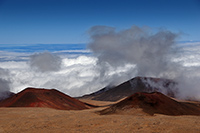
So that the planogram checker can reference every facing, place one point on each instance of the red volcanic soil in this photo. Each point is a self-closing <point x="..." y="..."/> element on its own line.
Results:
<point x="153" y="103"/>
<point x="52" y="98"/>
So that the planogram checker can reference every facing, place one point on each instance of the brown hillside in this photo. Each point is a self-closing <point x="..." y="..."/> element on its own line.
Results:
<point x="52" y="98"/>
<point x="153" y="103"/>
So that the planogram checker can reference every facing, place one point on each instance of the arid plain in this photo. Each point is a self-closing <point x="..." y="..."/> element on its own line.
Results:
<point x="35" y="120"/>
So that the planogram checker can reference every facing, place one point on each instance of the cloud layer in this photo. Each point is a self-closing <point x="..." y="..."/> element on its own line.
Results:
<point x="116" y="56"/>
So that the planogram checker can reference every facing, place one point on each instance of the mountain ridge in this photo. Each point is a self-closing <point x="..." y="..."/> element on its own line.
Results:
<point x="137" y="84"/>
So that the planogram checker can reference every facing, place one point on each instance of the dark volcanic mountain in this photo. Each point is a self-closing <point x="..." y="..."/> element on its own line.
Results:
<point x="32" y="97"/>
<point x="137" y="84"/>
<point x="152" y="103"/>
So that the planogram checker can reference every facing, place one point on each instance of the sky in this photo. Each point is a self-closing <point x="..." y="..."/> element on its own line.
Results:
<point x="81" y="46"/>
<point x="68" y="21"/>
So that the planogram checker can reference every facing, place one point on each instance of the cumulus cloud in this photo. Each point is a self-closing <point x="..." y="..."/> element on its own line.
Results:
<point x="149" y="52"/>
<point x="45" y="62"/>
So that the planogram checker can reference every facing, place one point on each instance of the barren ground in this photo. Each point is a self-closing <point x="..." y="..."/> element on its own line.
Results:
<point x="43" y="120"/>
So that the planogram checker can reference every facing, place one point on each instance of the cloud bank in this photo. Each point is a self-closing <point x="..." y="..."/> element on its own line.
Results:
<point x="117" y="56"/>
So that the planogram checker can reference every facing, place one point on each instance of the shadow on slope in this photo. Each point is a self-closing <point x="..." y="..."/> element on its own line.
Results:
<point x="150" y="104"/>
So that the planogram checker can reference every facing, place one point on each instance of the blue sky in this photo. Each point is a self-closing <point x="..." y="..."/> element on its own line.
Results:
<point x="67" y="21"/>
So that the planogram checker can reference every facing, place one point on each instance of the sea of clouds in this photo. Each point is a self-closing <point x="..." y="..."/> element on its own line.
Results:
<point x="110" y="58"/>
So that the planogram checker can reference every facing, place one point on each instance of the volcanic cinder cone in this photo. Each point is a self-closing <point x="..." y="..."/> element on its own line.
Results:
<point x="52" y="98"/>
<point x="137" y="84"/>
<point x="152" y="103"/>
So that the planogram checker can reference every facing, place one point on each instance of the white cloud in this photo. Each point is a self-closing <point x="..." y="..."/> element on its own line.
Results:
<point x="78" y="74"/>
<point x="81" y="75"/>
<point x="4" y="83"/>
<point x="45" y="62"/>
<point x="139" y="46"/>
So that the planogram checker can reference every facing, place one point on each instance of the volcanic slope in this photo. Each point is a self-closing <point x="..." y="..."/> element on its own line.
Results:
<point x="137" y="84"/>
<point x="50" y="98"/>
<point x="152" y="103"/>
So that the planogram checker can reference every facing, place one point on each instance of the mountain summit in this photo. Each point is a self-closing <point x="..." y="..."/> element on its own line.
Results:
<point x="137" y="84"/>
<point x="50" y="98"/>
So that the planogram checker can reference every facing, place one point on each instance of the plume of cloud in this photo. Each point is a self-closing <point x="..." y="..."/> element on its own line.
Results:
<point x="188" y="83"/>
<point x="45" y="62"/>
<point x="4" y="83"/>
<point x="150" y="52"/>
<point x="165" y="86"/>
